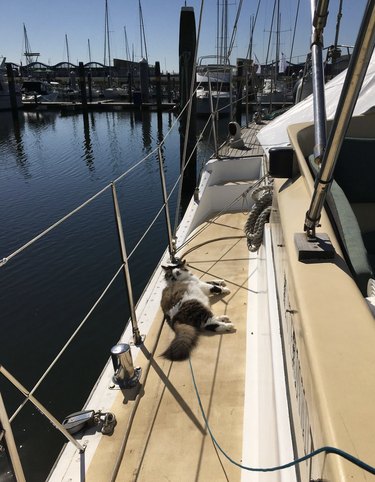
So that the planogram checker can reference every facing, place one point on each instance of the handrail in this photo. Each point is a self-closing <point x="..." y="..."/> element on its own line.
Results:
<point x="11" y="444"/>
<point x="66" y="345"/>
<point x="41" y="408"/>
<point x="352" y="85"/>
<point x="319" y="13"/>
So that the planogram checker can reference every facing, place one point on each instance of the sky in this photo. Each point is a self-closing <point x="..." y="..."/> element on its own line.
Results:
<point x="82" y="23"/>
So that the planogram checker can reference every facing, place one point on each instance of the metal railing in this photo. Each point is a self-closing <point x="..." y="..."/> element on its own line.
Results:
<point x="5" y="422"/>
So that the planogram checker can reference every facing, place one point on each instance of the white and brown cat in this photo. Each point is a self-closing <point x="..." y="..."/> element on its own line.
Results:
<point x="186" y="307"/>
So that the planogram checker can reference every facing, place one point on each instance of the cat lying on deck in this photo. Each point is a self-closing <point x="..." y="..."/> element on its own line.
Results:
<point x="186" y="307"/>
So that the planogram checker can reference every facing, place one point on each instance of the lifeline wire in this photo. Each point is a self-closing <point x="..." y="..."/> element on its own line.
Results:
<point x="327" y="449"/>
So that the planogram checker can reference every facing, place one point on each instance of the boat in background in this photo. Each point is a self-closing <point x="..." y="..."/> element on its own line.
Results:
<point x="275" y="92"/>
<point x="215" y="87"/>
<point x="39" y="91"/>
<point x="115" y="93"/>
<point x="289" y="395"/>
<point x="5" y="101"/>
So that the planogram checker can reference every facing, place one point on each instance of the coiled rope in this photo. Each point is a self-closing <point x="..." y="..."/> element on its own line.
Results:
<point x="328" y="450"/>
<point x="259" y="215"/>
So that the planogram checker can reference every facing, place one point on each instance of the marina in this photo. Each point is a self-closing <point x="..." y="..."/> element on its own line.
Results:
<point x="188" y="286"/>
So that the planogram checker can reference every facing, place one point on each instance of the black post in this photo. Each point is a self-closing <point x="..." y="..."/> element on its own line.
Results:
<point x="145" y="80"/>
<point x="169" y="93"/>
<point x="82" y="85"/>
<point x="158" y="85"/>
<point x="239" y="91"/>
<point x="89" y="83"/>
<point x="187" y="54"/>
<point x="130" y="87"/>
<point x="12" y="87"/>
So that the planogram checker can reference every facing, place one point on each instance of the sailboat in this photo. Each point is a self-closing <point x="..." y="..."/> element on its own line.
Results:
<point x="214" y="73"/>
<point x="276" y="89"/>
<point x="111" y="92"/>
<point x="285" y="223"/>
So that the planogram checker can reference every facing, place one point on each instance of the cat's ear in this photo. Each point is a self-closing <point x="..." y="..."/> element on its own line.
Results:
<point x="183" y="262"/>
<point x="165" y="268"/>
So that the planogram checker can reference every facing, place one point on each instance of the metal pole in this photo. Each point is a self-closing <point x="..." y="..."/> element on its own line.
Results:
<point x="247" y="96"/>
<point x="212" y="112"/>
<point x="136" y="335"/>
<point x="353" y="81"/>
<point x="41" y="408"/>
<point x="319" y="12"/>
<point x="171" y="242"/>
<point x="11" y="444"/>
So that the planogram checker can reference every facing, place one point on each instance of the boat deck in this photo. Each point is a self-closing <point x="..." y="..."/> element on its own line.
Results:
<point x="161" y="433"/>
<point x="252" y="146"/>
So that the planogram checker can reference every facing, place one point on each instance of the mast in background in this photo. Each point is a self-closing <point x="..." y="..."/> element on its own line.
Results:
<point x="28" y="53"/>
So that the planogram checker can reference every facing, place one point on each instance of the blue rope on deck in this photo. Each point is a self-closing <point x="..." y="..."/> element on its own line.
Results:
<point x="327" y="449"/>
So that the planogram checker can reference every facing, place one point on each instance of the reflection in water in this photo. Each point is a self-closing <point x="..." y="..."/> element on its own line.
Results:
<point x="114" y="141"/>
<point x="146" y="130"/>
<point x="89" y="152"/>
<point x="11" y="129"/>
<point x="40" y="120"/>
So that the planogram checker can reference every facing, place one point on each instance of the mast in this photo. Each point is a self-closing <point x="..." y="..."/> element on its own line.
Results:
<point x="271" y="31"/>
<point x="217" y="33"/>
<point x="294" y="32"/>
<point x="88" y="43"/>
<point x="277" y="54"/>
<point x="107" y="47"/>
<point x="127" y="51"/>
<point x="252" y="27"/>
<point x="28" y="53"/>
<point x="142" y="31"/>
<point x="67" y="48"/>
<point x="339" y="15"/>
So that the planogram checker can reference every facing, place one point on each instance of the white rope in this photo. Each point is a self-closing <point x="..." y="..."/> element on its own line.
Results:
<point x="258" y="217"/>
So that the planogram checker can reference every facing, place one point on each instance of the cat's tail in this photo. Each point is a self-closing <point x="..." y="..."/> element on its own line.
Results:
<point x="186" y="338"/>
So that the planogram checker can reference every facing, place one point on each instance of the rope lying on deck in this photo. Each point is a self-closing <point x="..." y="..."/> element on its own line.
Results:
<point x="259" y="215"/>
<point x="327" y="449"/>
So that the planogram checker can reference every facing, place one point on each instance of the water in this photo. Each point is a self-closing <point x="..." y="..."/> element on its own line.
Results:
<point x="50" y="164"/>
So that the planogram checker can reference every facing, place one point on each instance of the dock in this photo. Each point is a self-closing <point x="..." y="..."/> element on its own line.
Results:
<point x="97" y="106"/>
<point x="251" y="144"/>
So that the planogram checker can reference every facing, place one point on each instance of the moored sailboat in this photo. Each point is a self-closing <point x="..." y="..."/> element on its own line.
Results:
<point x="288" y="396"/>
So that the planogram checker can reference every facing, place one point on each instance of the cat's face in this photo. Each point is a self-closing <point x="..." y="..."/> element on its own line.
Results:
<point x="176" y="273"/>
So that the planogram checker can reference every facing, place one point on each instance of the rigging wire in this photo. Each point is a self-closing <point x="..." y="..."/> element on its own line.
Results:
<point x="294" y="33"/>
<point x="234" y="31"/>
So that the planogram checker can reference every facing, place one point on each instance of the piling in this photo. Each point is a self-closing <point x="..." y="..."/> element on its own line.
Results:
<point x="169" y="92"/>
<point x="187" y="45"/>
<point x="158" y="86"/>
<point x="89" y="84"/>
<point x="145" y="80"/>
<point x="12" y="87"/>
<point x="130" y="87"/>
<point x="82" y="85"/>
<point x="239" y="89"/>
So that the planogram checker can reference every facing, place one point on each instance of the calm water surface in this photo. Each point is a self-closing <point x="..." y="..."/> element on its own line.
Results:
<point x="50" y="164"/>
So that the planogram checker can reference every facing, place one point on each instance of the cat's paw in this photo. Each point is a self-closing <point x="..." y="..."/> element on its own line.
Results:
<point x="229" y="327"/>
<point x="224" y="318"/>
<point x="225" y="291"/>
<point x="217" y="282"/>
